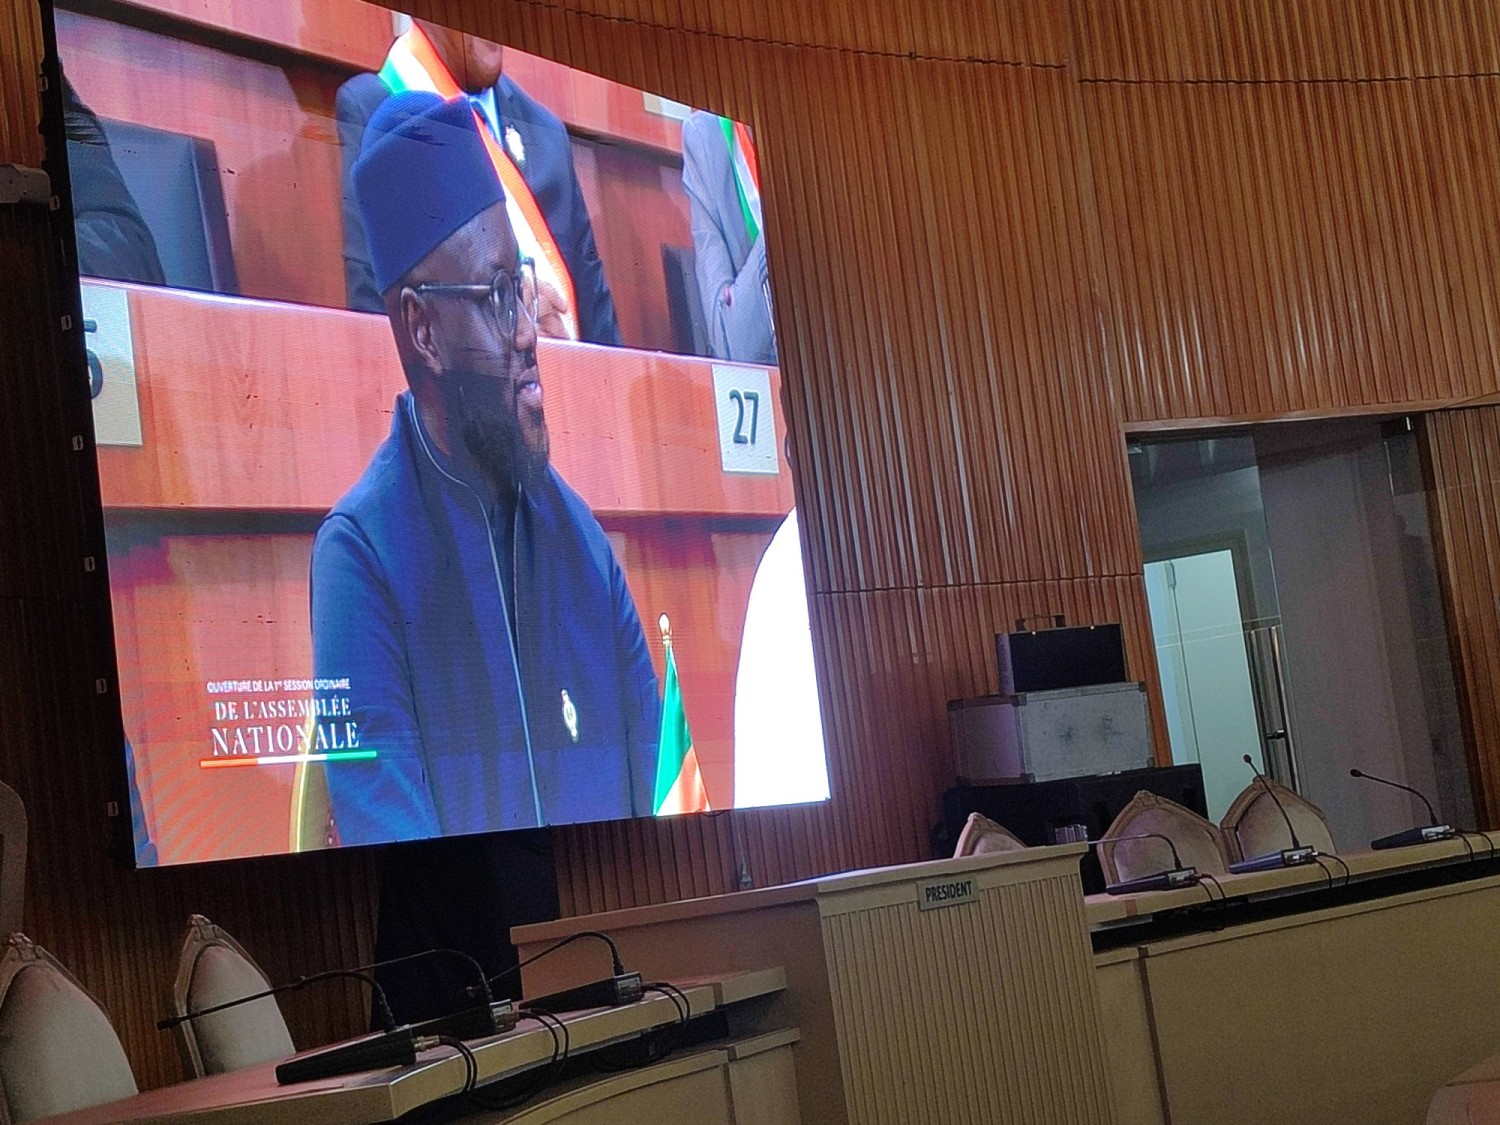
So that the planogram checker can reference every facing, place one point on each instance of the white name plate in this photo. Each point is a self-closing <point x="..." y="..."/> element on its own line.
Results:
<point x="111" y="355"/>
<point x="747" y="420"/>
<point x="945" y="892"/>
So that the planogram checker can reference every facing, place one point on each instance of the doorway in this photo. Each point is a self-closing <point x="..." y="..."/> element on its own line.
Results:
<point x="1205" y="673"/>
<point x="1297" y="617"/>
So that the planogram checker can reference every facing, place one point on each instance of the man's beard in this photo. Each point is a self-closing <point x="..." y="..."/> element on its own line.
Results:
<point x="489" y="424"/>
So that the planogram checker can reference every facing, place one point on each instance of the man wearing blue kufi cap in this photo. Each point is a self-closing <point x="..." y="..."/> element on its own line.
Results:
<point x="533" y="137"/>
<point x="494" y="657"/>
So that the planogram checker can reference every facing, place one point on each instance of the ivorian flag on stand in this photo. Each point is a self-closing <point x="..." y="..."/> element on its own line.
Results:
<point x="679" y="783"/>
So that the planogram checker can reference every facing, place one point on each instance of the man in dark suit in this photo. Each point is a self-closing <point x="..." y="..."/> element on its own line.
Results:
<point x="729" y="249"/>
<point x="113" y="239"/>
<point x="533" y="137"/>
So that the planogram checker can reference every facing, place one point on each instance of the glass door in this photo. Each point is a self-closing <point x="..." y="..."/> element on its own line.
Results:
<point x="1335" y="656"/>
<point x="1207" y="683"/>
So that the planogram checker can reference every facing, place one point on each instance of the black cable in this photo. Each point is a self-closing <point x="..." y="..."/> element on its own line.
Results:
<point x="1348" y="874"/>
<point x="1468" y="847"/>
<point x="686" y="1002"/>
<point x="297" y="985"/>
<point x="614" y="953"/>
<point x="1488" y="843"/>
<point x="672" y="992"/>
<point x="549" y="1073"/>
<point x="1204" y="878"/>
<point x="387" y="1017"/>
<point x="441" y="951"/>
<point x="562" y="1027"/>
<point x="471" y="1064"/>
<point x="1338" y="860"/>
<point x="1327" y="871"/>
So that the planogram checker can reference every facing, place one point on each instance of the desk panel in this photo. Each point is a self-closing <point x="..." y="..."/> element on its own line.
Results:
<point x="688" y="1088"/>
<point x="355" y="36"/>
<point x="979" y="1010"/>
<point x="1354" y="1014"/>
<point x="273" y="132"/>
<point x="268" y="406"/>
<point x="350" y="33"/>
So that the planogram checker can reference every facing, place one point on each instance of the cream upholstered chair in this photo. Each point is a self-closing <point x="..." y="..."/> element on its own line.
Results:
<point x="12" y="859"/>
<point x="982" y="836"/>
<point x="1197" y="841"/>
<point x="58" y="1051"/>
<point x="1254" y="825"/>
<point x="214" y="969"/>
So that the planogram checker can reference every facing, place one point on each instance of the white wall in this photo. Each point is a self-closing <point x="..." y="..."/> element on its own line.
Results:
<point x="1353" y="662"/>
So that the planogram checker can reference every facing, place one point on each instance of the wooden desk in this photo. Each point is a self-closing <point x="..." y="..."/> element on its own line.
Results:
<point x="915" y="1005"/>
<point x="1354" y="1012"/>
<point x="276" y="407"/>
<point x="260" y="81"/>
<point x="252" y="1096"/>
<point x="352" y="35"/>
<point x="1107" y="911"/>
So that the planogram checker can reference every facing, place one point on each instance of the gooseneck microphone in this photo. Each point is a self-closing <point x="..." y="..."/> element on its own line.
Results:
<point x="1433" y="830"/>
<point x="1179" y="876"/>
<point x="479" y="1021"/>
<point x="388" y="1021"/>
<point x="398" y="1047"/>
<point x="1295" y="856"/>
<point x="394" y="1046"/>
<point x="619" y="988"/>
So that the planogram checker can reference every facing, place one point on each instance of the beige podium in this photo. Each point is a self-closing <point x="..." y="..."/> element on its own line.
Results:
<point x="955" y="991"/>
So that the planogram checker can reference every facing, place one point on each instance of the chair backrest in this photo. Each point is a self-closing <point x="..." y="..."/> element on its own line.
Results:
<point x="58" y="1051"/>
<point x="1197" y="841"/>
<point x="684" y="306"/>
<point x="214" y="969"/>
<point x="1254" y="825"/>
<point x="983" y="836"/>
<point x="12" y="859"/>
<point x="174" y="180"/>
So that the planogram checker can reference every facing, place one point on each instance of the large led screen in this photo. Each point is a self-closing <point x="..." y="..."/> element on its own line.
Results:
<point x="440" y="435"/>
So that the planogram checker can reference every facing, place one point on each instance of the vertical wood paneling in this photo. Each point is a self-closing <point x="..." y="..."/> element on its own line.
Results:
<point x="1285" y="40"/>
<point x="1464" y="453"/>
<point x="986" y="257"/>
<point x="1014" y="31"/>
<point x="1272" y="248"/>
<point x="20" y="54"/>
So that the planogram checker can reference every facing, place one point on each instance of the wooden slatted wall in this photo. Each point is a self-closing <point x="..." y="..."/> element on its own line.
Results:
<point x="1001" y="231"/>
<point x="1300" y="200"/>
<point x="1464" y="452"/>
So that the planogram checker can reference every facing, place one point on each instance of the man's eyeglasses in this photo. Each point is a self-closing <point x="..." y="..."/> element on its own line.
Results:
<point x="508" y="293"/>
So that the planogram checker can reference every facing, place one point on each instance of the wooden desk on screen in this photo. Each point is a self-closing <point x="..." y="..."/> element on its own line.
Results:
<point x="748" y="1078"/>
<point x="259" y="81"/>
<point x="1352" y="1012"/>
<point x="955" y="991"/>
<point x="256" y="416"/>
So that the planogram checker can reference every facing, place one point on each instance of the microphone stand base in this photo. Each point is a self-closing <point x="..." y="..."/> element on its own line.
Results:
<point x="1274" y="861"/>
<point x="1414" y="836"/>
<point x="479" y="1022"/>
<point x="1161" y="881"/>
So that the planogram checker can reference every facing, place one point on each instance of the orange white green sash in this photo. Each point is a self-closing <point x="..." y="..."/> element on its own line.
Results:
<point x="746" y="175"/>
<point x="413" y="64"/>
